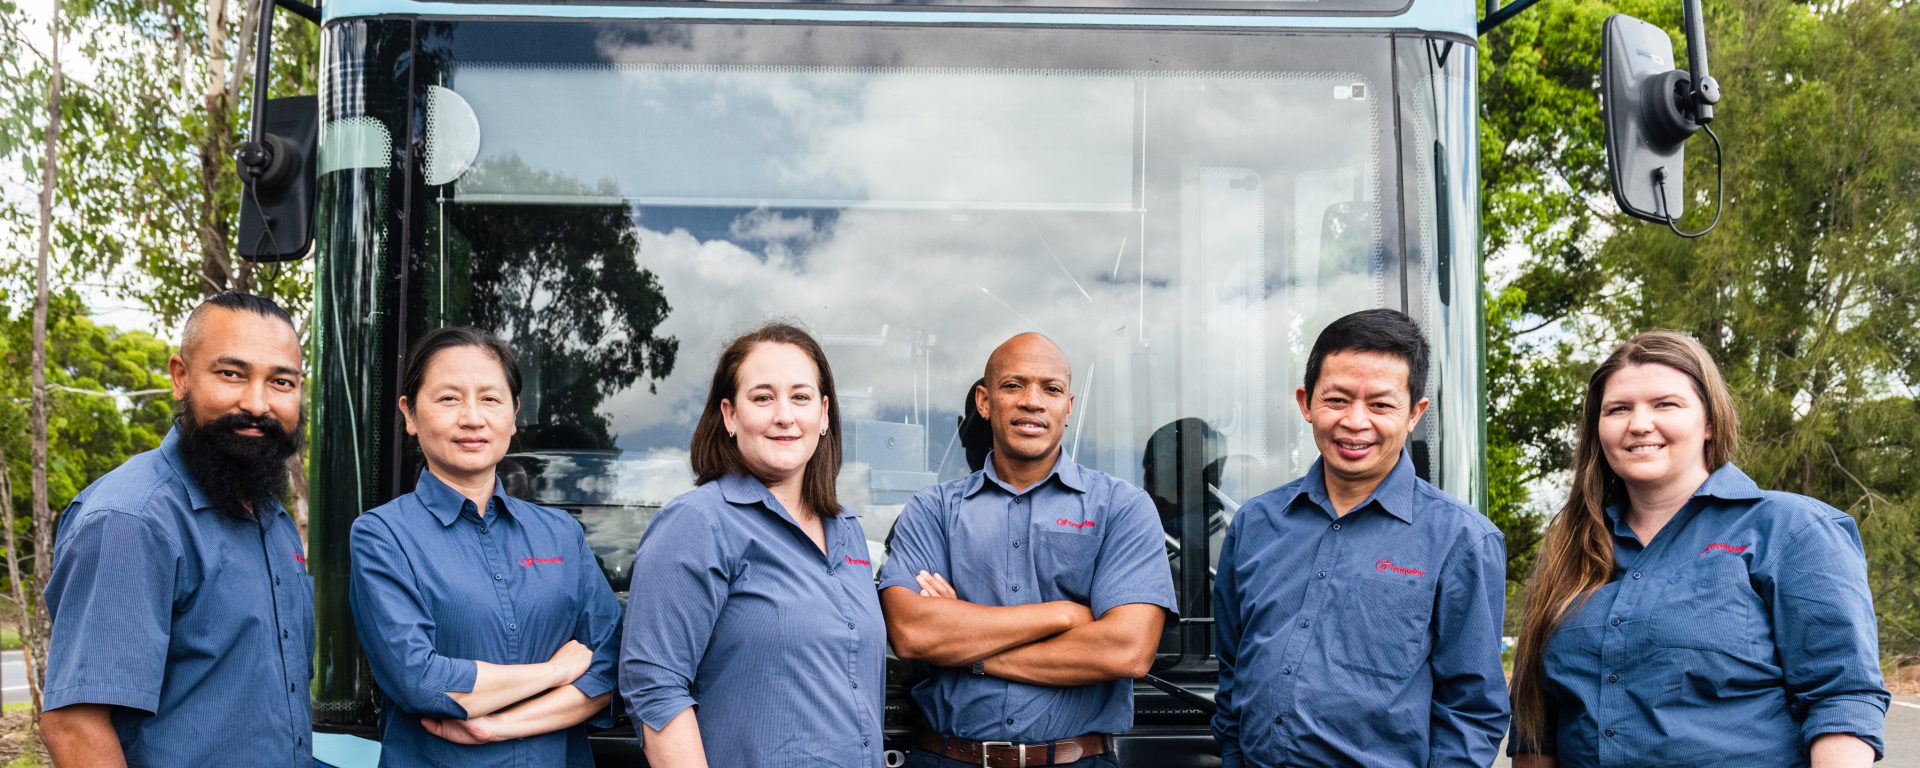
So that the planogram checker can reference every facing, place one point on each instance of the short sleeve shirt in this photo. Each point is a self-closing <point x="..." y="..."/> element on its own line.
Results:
<point x="437" y="586"/>
<point x="1078" y="535"/>
<point x="184" y="617"/>
<point x="780" y="645"/>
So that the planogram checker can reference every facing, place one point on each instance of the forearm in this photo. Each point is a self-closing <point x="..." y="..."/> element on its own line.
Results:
<point x="949" y="632"/>
<point x="498" y="686"/>
<point x="1119" y="646"/>
<point x="556" y="710"/>
<point x="676" y="746"/>
<point x="1840" y="750"/>
<point x="82" y="736"/>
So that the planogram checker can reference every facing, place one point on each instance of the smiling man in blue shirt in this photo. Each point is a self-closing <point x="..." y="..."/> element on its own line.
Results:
<point x="1035" y="586"/>
<point x="1358" y="609"/>
<point x="181" y="605"/>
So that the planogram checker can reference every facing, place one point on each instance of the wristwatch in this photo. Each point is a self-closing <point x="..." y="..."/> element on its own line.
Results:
<point x="980" y="667"/>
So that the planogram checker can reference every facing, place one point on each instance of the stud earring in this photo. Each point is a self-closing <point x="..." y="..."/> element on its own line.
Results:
<point x="731" y="435"/>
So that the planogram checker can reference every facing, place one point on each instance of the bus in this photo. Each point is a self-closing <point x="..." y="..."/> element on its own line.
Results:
<point x="1181" y="193"/>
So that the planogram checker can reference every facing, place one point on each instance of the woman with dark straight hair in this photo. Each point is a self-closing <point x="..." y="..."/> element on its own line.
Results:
<point x="753" y="634"/>
<point x="1680" y="615"/>
<point x="488" y="625"/>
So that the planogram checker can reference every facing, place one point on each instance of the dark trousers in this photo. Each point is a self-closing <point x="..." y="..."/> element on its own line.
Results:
<point x="919" y="759"/>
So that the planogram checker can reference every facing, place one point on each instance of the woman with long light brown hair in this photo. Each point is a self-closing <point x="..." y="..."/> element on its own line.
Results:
<point x="1680" y="615"/>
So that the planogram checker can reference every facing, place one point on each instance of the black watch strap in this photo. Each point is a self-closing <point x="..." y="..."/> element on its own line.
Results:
<point x="980" y="667"/>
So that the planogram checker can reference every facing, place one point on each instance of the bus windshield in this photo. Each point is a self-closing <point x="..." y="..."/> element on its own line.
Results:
<point x="1181" y="212"/>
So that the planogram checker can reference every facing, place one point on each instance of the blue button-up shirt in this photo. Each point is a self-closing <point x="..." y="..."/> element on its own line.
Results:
<point x="186" y="618"/>
<point x="1077" y="535"/>
<point x="1370" y="639"/>
<point x="437" y="587"/>
<point x="1736" y="637"/>
<point x="781" y="646"/>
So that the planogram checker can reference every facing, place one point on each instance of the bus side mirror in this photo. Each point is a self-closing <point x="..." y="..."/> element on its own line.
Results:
<point x="277" y="183"/>
<point x="1650" y="108"/>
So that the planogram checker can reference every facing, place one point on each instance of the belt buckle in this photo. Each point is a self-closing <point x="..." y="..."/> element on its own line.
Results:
<point x="986" y="760"/>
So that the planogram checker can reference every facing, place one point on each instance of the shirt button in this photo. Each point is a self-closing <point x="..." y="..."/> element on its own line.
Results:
<point x="276" y="581"/>
<point x="866" y="742"/>
<point x="1279" y="719"/>
<point x="1609" y="733"/>
<point x="1320" y="575"/>
<point x="485" y="529"/>
<point x="283" y="633"/>
<point x="1009" y="721"/>
<point x="1286" y="671"/>
<point x="1303" y="624"/>
<point x="1616" y="621"/>
<point x="1016" y="587"/>
<point x="290" y="687"/>
<point x="856" y="683"/>
<point x="1016" y="545"/>
<point x="1613" y="678"/>
<point x="1636" y="574"/>
<point x="513" y="627"/>
<point x="497" y="577"/>
<point x="1336" y="526"/>
<point x="849" y="625"/>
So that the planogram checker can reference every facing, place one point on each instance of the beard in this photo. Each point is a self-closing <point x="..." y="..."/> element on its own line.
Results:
<point x="238" y="473"/>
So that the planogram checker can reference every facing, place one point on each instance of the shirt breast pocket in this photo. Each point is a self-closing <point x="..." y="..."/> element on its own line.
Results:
<point x="1710" y="609"/>
<point x="1384" y="627"/>
<point x="1064" y="564"/>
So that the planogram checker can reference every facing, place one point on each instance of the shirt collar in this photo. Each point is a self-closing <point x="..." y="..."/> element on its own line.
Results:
<point x="743" y="488"/>
<point x="170" y="450"/>
<point x="1727" y="483"/>
<point x="1066" y="470"/>
<point x="446" y="504"/>
<point x="1394" y="494"/>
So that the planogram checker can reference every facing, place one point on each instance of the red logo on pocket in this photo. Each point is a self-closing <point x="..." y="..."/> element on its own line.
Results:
<point x="299" y="558"/>
<point x="1387" y="565"/>
<point x="529" y="562"/>
<point x="852" y="561"/>
<point x="1723" y="548"/>
<point x="1071" y="524"/>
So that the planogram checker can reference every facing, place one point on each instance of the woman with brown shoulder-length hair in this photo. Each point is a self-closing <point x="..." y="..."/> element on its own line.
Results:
<point x="753" y="634"/>
<point x="1680" y="615"/>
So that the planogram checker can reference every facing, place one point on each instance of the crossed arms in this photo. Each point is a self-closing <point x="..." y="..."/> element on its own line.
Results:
<point x="1059" y="643"/>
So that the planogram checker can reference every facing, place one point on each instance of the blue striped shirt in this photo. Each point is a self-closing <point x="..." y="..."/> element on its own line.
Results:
<point x="1736" y="637"/>
<point x="780" y="645"/>
<point x="1370" y="639"/>
<point x="437" y="587"/>
<point x="187" y="619"/>
<point x="1077" y="535"/>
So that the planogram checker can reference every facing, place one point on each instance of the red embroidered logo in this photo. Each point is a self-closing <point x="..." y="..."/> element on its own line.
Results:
<point x="1071" y="524"/>
<point x="529" y="562"/>
<point x="852" y="561"/>
<point x="1723" y="548"/>
<point x="299" y="558"/>
<point x="1387" y="565"/>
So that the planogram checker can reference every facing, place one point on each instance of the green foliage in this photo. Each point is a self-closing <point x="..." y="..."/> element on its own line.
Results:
<point x="1808" y="293"/>
<point x="87" y="434"/>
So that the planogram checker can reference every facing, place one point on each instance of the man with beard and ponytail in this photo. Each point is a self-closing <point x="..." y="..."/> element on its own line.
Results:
<point x="182" y="610"/>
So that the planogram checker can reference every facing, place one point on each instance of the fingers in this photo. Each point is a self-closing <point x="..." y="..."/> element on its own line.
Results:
<point x="934" y="585"/>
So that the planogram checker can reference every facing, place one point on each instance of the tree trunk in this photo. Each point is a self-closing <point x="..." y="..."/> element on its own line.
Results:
<point x="218" y="271"/>
<point x="29" y="642"/>
<point x="42" y="512"/>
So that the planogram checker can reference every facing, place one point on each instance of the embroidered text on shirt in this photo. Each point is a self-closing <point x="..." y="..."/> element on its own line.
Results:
<point x="1387" y="565"/>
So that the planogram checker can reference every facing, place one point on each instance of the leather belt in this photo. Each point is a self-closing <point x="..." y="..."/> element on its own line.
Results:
<point x="1006" y="754"/>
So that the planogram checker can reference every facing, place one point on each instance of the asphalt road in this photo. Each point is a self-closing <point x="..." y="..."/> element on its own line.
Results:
<point x="1902" y="733"/>
<point x="13" y="677"/>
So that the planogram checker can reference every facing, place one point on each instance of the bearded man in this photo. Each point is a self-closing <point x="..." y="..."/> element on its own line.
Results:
<point x="181" y="605"/>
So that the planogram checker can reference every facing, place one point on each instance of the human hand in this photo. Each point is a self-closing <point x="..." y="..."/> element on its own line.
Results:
<point x="476" y="731"/>
<point x="571" y="661"/>
<point x="934" y="585"/>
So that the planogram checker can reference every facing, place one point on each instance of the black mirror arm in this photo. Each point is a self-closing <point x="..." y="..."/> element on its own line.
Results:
<point x="1704" y="90"/>
<point x="1199" y="701"/>
<point x="256" y="155"/>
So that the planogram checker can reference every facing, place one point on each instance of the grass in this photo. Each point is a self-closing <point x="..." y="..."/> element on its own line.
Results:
<point x="9" y="639"/>
<point x="28" y="760"/>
